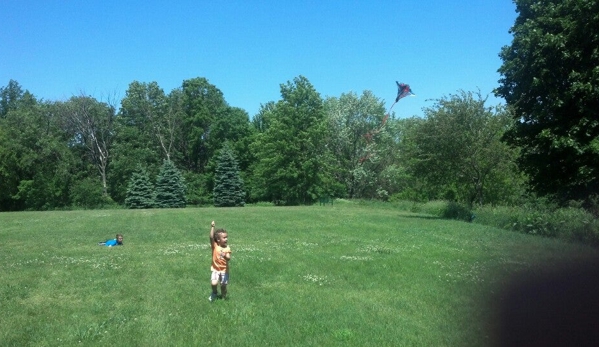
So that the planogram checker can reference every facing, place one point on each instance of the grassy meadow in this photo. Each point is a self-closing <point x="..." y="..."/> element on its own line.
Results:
<point x="341" y="275"/>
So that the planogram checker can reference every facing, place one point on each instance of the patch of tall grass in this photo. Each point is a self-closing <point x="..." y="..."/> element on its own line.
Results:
<point x="572" y="224"/>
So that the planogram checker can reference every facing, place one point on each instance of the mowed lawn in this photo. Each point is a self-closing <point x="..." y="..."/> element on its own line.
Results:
<point x="341" y="275"/>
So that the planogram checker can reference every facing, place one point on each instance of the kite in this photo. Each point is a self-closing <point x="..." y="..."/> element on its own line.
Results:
<point x="403" y="90"/>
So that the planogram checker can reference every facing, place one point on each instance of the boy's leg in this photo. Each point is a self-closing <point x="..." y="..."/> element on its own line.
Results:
<point x="223" y="290"/>
<point x="223" y="285"/>
<point x="214" y="284"/>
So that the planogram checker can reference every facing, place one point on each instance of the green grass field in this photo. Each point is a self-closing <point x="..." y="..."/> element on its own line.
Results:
<point x="342" y="275"/>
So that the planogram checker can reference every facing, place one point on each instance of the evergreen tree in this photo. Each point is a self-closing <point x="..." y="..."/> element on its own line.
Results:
<point x="140" y="192"/>
<point x="170" y="186"/>
<point x="228" y="185"/>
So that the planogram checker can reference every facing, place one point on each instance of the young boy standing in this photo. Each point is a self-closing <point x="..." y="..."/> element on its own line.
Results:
<point x="221" y="254"/>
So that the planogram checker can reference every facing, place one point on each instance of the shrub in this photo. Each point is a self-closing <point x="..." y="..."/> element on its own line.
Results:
<point x="454" y="210"/>
<point x="444" y="209"/>
<point x="573" y="224"/>
<point x="87" y="193"/>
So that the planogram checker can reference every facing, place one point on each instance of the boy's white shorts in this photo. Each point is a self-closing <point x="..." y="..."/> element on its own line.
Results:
<point x="223" y="278"/>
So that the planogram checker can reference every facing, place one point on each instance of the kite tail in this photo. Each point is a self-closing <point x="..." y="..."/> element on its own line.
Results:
<point x="390" y="108"/>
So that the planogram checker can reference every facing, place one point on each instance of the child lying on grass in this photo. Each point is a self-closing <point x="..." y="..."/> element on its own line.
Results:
<point x="114" y="242"/>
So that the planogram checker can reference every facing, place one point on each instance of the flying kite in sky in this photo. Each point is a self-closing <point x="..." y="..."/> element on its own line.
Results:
<point x="403" y="90"/>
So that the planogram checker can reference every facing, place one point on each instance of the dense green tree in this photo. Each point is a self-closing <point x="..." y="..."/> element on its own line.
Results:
<point x="10" y="97"/>
<point x="357" y="125"/>
<point x="36" y="164"/>
<point x="261" y="120"/>
<point x="549" y="77"/>
<point x="228" y="185"/>
<point x="146" y="108"/>
<point x="235" y="128"/>
<point x="458" y="150"/>
<point x="201" y="104"/>
<point x="289" y="167"/>
<point x="142" y="135"/>
<point x="87" y="193"/>
<point x="170" y="187"/>
<point x="140" y="190"/>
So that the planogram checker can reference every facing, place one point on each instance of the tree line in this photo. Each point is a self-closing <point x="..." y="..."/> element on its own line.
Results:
<point x="85" y="152"/>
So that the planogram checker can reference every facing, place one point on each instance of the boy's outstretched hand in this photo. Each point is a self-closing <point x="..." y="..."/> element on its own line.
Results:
<point x="212" y="225"/>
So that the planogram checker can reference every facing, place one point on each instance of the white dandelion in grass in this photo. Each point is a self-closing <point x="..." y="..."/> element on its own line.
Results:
<point x="320" y="280"/>
<point x="355" y="258"/>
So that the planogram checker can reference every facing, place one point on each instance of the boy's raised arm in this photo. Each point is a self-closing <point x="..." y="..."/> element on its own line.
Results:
<point x="211" y="232"/>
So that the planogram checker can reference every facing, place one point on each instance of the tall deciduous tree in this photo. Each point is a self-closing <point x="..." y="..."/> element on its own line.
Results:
<point x="201" y="104"/>
<point x="90" y="122"/>
<point x="458" y="147"/>
<point x="290" y="151"/>
<point x="36" y="166"/>
<point x="147" y="108"/>
<point x="356" y="124"/>
<point x="10" y="97"/>
<point x="549" y="77"/>
<point x="228" y="185"/>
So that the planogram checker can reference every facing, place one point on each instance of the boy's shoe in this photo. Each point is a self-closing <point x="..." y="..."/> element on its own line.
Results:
<point x="212" y="297"/>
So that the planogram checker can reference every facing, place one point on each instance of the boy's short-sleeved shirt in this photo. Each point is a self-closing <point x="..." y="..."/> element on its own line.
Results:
<point x="219" y="263"/>
<point x="111" y="243"/>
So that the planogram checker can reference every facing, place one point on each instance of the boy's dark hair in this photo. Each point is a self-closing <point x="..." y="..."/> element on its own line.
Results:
<point x="217" y="234"/>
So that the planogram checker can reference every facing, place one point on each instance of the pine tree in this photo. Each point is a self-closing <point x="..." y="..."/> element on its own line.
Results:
<point x="170" y="187"/>
<point x="140" y="191"/>
<point x="228" y="185"/>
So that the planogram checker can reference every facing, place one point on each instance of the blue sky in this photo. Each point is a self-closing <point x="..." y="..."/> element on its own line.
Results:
<point x="56" y="49"/>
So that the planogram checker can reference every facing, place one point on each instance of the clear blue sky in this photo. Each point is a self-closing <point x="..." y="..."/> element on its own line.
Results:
<point x="56" y="49"/>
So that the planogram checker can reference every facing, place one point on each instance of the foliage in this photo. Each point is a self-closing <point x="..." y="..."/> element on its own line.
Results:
<point x="197" y="192"/>
<point x="549" y="78"/>
<point x="201" y="104"/>
<point x="228" y="185"/>
<point x="353" y="122"/>
<point x="290" y="153"/>
<point x="36" y="164"/>
<point x="10" y="97"/>
<point x="233" y="127"/>
<point x="170" y="187"/>
<point x="572" y="224"/>
<point x="457" y="149"/>
<point x="87" y="194"/>
<point x="140" y="191"/>
<point x="89" y="123"/>
<point x="145" y="108"/>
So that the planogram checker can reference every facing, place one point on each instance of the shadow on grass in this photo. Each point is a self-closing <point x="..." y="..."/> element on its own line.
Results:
<point x="420" y="217"/>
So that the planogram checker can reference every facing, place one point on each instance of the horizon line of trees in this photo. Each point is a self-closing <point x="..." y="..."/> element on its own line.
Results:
<point x="84" y="152"/>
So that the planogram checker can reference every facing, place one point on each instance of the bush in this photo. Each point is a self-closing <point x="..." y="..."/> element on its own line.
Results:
<point x="573" y="224"/>
<point x="444" y="209"/>
<point x="454" y="210"/>
<point x="87" y="194"/>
